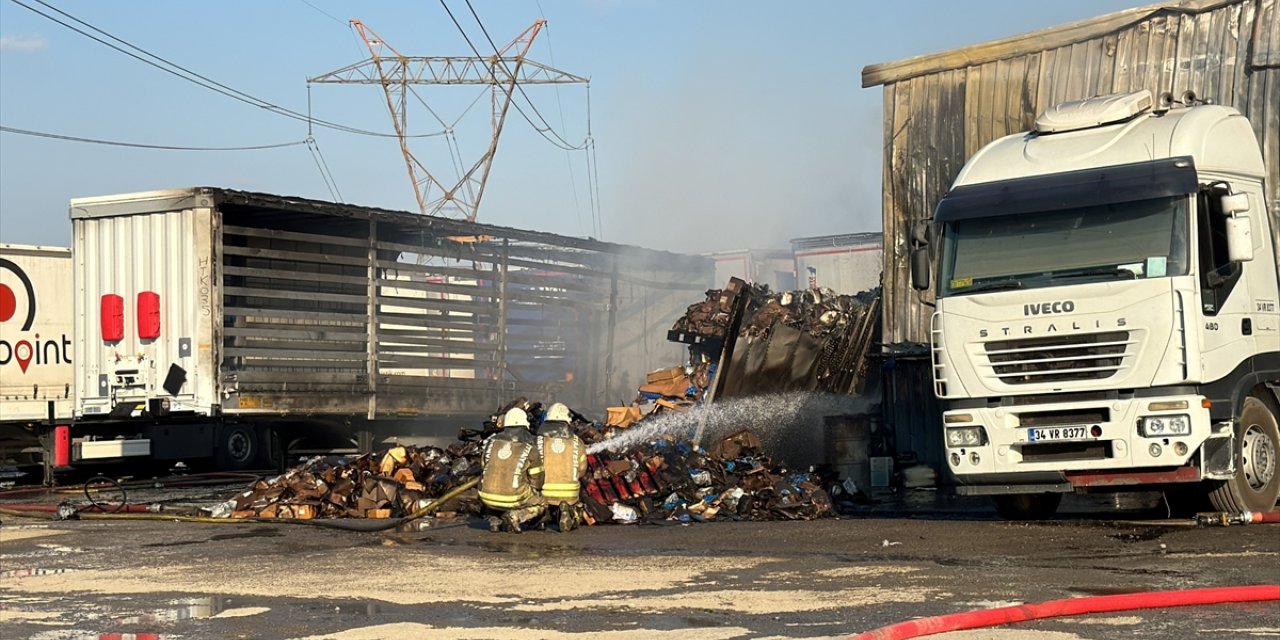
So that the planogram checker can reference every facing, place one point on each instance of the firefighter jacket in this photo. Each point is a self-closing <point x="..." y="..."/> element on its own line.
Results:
<point x="511" y="469"/>
<point x="564" y="459"/>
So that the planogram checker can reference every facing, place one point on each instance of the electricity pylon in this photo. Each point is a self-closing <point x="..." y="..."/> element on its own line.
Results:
<point x="396" y="73"/>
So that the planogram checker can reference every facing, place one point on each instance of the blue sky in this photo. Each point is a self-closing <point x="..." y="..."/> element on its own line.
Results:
<point x="718" y="125"/>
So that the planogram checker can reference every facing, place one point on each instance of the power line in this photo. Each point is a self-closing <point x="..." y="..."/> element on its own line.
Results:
<point x="203" y="81"/>
<point x="588" y="144"/>
<point x="139" y="145"/>
<point x="325" y="174"/>
<point x="593" y="177"/>
<point x="595" y="183"/>
<point x="543" y="132"/>
<point x="326" y="13"/>
<point x="532" y="106"/>
<point x="568" y="155"/>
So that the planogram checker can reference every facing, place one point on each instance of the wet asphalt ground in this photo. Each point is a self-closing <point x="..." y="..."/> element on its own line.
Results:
<point x="920" y="555"/>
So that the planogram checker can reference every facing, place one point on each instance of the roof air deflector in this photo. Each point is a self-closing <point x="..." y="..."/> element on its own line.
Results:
<point x="1094" y="112"/>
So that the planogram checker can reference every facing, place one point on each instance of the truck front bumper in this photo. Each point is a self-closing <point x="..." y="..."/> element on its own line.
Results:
<point x="1058" y="446"/>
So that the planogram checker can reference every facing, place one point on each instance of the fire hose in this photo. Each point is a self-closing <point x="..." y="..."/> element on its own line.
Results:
<point x="346" y="525"/>
<point x="982" y="618"/>
<point x="1245" y="517"/>
<point x="192" y="480"/>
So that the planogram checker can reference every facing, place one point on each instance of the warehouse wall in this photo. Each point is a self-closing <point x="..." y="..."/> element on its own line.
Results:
<point x="940" y="109"/>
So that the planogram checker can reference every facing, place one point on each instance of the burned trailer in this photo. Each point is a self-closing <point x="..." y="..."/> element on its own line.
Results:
<point x="210" y="319"/>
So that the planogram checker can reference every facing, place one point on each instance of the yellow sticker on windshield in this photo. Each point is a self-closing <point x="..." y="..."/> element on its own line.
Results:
<point x="960" y="283"/>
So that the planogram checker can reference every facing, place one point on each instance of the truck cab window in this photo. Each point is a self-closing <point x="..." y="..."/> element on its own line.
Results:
<point x="1218" y="276"/>
<point x="1095" y="242"/>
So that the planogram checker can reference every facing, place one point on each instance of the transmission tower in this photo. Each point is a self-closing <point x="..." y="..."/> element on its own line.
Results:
<point x="396" y="73"/>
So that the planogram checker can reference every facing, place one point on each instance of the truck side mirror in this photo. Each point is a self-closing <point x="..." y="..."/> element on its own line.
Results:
<point x="920" y="268"/>
<point x="1239" y="237"/>
<point x="921" y="233"/>
<point x="1233" y="203"/>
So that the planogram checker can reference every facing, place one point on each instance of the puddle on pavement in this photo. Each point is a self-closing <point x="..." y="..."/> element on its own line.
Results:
<point x="177" y="611"/>
<point x="109" y="616"/>
<point x="1140" y="535"/>
<point x="257" y="532"/>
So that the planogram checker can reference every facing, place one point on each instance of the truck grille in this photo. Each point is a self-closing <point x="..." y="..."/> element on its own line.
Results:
<point x="1088" y="356"/>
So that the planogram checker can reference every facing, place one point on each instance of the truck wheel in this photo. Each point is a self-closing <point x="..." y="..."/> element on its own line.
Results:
<point x="1028" y="506"/>
<point x="237" y="447"/>
<point x="1256" y="484"/>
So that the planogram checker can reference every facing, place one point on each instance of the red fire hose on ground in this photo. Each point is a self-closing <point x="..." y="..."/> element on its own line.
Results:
<point x="1228" y="519"/>
<point x="1070" y="607"/>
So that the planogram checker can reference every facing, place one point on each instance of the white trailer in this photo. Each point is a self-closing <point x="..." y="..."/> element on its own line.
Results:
<point x="208" y="321"/>
<point x="35" y="346"/>
<point x="848" y="263"/>
<point x="1107" y="309"/>
<point x="773" y="267"/>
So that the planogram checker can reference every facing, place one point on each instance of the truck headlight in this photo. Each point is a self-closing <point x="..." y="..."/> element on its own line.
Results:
<point x="1162" y="426"/>
<point x="966" y="437"/>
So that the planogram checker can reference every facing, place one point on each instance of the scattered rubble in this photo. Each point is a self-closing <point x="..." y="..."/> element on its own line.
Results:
<point x="672" y="479"/>
<point x="811" y="340"/>
<point x="666" y="479"/>
<point x="389" y="484"/>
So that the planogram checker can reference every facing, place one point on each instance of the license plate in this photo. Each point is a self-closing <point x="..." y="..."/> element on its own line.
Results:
<point x="1057" y="434"/>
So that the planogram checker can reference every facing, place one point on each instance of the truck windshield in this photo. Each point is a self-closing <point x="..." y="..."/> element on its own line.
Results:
<point x="1124" y="240"/>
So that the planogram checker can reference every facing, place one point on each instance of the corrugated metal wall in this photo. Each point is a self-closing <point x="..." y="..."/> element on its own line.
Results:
<point x="935" y="118"/>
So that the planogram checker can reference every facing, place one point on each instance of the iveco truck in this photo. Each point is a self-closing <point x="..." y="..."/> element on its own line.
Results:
<point x="1106" y="313"/>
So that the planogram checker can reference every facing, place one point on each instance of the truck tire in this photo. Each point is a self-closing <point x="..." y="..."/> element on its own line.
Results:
<point x="1256" y="484"/>
<point x="237" y="447"/>
<point x="1028" y="506"/>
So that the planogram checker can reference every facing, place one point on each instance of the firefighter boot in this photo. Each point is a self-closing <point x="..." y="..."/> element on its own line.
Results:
<point x="513" y="523"/>
<point x="568" y="518"/>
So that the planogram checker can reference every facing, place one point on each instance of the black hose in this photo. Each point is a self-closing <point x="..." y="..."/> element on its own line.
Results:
<point x="102" y="506"/>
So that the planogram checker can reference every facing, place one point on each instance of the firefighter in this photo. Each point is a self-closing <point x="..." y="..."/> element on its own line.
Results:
<point x="512" y="474"/>
<point x="564" y="460"/>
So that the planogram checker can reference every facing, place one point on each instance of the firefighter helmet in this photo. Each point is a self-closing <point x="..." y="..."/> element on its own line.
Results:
<point x="558" y="413"/>
<point x="515" y="418"/>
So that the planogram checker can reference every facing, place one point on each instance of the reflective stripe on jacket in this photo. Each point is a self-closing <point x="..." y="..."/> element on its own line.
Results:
<point x="564" y="460"/>
<point x="509" y="461"/>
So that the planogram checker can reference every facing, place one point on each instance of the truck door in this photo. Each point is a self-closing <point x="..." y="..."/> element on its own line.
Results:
<point x="1226" y="321"/>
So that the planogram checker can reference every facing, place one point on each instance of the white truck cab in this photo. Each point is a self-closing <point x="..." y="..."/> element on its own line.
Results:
<point x="1107" y="309"/>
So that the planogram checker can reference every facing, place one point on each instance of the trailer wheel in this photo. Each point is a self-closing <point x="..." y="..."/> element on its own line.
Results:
<point x="237" y="447"/>
<point x="1256" y="484"/>
<point x="1028" y="506"/>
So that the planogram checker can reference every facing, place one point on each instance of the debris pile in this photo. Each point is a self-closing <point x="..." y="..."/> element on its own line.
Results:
<point x="666" y="478"/>
<point x="807" y="340"/>
<point x="669" y="478"/>
<point x="390" y="484"/>
<point x="771" y="343"/>
<point x="819" y="312"/>
<point x="712" y="316"/>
